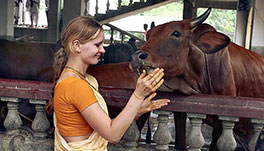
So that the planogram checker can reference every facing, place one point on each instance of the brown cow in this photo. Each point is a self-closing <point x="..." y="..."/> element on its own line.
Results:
<point x="26" y="61"/>
<point x="198" y="59"/>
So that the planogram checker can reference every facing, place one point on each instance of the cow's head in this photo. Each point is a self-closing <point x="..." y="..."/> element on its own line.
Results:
<point x="168" y="45"/>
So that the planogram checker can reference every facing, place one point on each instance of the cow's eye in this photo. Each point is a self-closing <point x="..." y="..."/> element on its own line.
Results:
<point x="176" y="34"/>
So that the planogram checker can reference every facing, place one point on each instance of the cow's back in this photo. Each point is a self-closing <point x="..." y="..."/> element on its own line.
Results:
<point x="26" y="61"/>
<point x="248" y="70"/>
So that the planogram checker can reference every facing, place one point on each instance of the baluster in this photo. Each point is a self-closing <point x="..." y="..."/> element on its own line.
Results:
<point x="195" y="139"/>
<point x="119" y="4"/>
<point x="12" y="121"/>
<point x="226" y="141"/>
<point x="112" y="36"/>
<point x="162" y="135"/>
<point x="96" y="7"/>
<point x="131" y="2"/>
<point x="107" y="6"/>
<point x="131" y="136"/>
<point x="258" y="125"/>
<point x="40" y="123"/>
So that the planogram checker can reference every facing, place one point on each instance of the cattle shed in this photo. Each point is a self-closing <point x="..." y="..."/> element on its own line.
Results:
<point x="249" y="30"/>
<point x="36" y="135"/>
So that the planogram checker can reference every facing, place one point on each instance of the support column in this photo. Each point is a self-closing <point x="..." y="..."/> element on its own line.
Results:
<point x="241" y="22"/>
<point x="71" y="10"/>
<point x="189" y="9"/>
<point x="257" y="38"/>
<point x="7" y="18"/>
<point x="53" y="21"/>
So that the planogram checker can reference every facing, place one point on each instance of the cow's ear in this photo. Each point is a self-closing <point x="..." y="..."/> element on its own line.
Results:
<point x="212" y="42"/>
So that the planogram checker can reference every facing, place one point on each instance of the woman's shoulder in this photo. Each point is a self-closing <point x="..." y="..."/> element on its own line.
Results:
<point x="71" y="82"/>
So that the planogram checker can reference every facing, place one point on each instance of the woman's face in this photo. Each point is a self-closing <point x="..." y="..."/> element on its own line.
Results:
<point x="91" y="51"/>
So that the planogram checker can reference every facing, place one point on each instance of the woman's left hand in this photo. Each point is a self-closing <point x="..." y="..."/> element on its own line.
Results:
<point x="150" y="105"/>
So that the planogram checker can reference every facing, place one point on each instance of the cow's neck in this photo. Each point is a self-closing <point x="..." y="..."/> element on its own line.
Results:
<point x="199" y="74"/>
<point x="191" y="81"/>
<point x="208" y="78"/>
<point x="218" y="74"/>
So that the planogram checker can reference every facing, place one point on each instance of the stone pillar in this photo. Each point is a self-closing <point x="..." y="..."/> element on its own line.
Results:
<point x="162" y="135"/>
<point x="226" y="141"/>
<point x="131" y="136"/>
<point x="40" y="124"/>
<point x="71" y="10"/>
<point x="7" y="18"/>
<point x="53" y="21"/>
<point x="195" y="139"/>
<point x="258" y="125"/>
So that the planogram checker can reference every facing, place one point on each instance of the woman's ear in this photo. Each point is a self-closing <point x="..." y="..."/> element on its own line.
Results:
<point x="76" y="46"/>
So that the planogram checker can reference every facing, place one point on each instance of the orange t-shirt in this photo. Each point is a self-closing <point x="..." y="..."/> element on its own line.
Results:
<point x="71" y="97"/>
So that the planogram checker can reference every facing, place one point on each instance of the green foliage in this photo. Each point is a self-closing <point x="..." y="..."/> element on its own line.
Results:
<point x="223" y="20"/>
<point x="170" y="10"/>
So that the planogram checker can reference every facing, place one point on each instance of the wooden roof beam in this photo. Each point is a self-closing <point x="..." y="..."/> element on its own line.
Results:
<point x="217" y="4"/>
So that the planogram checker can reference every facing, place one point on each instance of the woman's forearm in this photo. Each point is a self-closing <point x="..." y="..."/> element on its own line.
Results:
<point x="120" y="124"/>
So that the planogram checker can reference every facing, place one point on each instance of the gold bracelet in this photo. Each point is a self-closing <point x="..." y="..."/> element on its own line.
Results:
<point x="138" y="97"/>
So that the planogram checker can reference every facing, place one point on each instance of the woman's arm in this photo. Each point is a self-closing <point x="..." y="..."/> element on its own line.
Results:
<point x="113" y="130"/>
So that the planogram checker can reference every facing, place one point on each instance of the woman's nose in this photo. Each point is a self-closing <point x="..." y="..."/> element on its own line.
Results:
<point x="101" y="49"/>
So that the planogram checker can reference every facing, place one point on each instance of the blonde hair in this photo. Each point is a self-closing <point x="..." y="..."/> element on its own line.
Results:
<point x="82" y="28"/>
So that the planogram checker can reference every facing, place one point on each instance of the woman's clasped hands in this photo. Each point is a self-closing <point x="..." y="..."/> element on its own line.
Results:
<point x="145" y="91"/>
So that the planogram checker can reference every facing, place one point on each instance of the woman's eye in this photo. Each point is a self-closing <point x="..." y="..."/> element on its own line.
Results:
<point x="176" y="34"/>
<point x="99" y="44"/>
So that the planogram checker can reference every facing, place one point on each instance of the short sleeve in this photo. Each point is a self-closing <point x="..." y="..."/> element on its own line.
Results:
<point x="82" y="94"/>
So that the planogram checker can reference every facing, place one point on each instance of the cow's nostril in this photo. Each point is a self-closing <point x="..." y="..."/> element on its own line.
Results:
<point x="143" y="56"/>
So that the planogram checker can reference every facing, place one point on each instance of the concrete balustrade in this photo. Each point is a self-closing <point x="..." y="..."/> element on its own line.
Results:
<point x="162" y="135"/>
<point x="195" y="140"/>
<point x="227" y="142"/>
<point x="258" y="125"/>
<point x="40" y="124"/>
<point x="12" y="121"/>
<point x="20" y="137"/>
<point x="131" y="136"/>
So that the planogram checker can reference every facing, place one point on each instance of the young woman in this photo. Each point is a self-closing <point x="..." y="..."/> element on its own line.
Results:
<point x="81" y="119"/>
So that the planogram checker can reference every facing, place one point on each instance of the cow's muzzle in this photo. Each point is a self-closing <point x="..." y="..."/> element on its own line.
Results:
<point x="139" y="62"/>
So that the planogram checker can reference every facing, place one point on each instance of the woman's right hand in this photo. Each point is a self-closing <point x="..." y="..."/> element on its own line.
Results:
<point x="147" y="84"/>
<point x="150" y="105"/>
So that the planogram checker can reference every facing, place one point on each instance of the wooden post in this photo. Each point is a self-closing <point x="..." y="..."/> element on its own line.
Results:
<point x="189" y="9"/>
